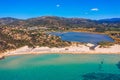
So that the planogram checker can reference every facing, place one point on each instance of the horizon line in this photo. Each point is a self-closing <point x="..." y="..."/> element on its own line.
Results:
<point x="56" y="16"/>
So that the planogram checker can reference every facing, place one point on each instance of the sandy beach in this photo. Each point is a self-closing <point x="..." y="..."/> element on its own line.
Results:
<point x="80" y="49"/>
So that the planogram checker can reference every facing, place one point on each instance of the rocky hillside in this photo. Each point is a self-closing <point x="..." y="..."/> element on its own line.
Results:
<point x="13" y="38"/>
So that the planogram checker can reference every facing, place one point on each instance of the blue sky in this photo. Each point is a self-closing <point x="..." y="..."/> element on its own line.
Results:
<point x="91" y="9"/>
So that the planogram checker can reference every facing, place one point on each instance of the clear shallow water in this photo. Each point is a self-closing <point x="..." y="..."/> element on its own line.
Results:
<point x="56" y="66"/>
<point x="83" y="37"/>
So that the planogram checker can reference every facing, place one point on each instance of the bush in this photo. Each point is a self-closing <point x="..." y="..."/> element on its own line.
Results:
<point x="105" y="44"/>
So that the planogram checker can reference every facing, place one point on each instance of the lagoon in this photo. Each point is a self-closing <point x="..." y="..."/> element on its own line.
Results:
<point x="83" y="37"/>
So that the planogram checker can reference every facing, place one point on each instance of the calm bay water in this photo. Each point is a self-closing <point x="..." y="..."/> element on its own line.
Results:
<point x="83" y="37"/>
<point x="56" y="66"/>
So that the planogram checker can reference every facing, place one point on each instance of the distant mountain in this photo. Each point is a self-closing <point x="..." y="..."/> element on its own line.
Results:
<point x="112" y="20"/>
<point x="7" y="20"/>
<point x="54" y="21"/>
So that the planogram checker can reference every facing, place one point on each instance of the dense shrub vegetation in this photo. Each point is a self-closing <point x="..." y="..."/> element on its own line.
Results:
<point x="12" y="38"/>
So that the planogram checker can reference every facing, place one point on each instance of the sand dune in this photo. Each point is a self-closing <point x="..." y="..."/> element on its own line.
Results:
<point x="80" y="49"/>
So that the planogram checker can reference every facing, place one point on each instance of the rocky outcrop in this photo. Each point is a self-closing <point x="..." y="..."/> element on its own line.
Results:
<point x="1" y="57"/>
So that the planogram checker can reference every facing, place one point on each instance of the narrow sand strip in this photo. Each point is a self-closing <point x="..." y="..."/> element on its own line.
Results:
<point x="81" y="49"/>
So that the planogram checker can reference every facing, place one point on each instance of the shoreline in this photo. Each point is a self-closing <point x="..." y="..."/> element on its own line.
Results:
<point x="81" y="49"/>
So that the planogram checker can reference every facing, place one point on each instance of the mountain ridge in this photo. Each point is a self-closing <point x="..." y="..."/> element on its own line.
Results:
<point x="55" y="21"/>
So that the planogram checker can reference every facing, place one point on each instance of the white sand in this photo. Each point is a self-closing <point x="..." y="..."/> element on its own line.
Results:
<point x="112" y="49"/>
<point x="1" y="56"/>
<point x="81" y="49"/>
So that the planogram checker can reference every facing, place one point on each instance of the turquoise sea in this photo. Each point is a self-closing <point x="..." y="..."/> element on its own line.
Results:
<point x="57" y="66"/>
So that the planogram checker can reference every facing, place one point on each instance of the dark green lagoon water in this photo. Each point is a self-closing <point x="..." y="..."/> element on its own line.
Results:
<point x="56" y="66"/>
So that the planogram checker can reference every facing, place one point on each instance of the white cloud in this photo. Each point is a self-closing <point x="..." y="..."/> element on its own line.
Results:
<point x="94" y="9"/>
<point x="57" y="5"/>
